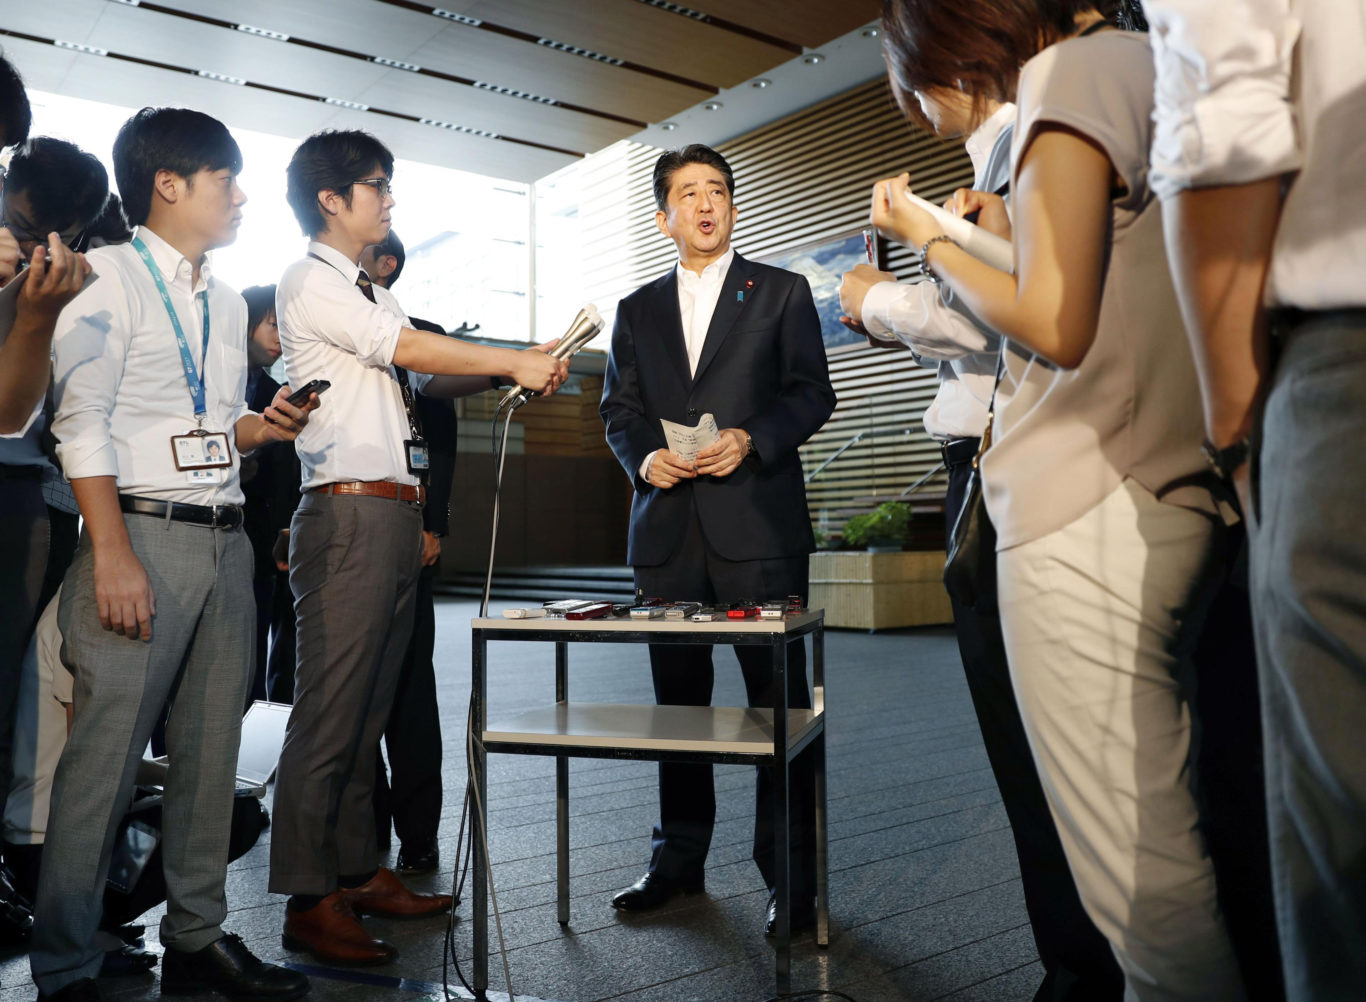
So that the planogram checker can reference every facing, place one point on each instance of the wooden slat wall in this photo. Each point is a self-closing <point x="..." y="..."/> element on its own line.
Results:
<point x="566" y="424"/>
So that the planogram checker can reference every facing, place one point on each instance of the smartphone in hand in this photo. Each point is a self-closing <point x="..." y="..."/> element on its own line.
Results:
<point x="302" y="395"/>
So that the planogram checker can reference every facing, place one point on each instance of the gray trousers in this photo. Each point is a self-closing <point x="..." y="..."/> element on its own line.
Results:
<point x="353" y="570"/>
<point x="198" y="658"/>
<point x="1309" y="603"/>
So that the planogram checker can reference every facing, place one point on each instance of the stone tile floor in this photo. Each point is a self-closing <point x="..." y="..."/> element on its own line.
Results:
<point x="924" y="886"/>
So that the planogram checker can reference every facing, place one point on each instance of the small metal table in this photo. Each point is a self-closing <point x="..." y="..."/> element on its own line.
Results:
<point x="755" y="736"/>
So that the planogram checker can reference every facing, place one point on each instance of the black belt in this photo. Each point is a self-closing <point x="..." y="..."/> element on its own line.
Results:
<point x="32" y="473"/>
<point x="959" y="451"/>
<point x="1285" y="320"/>
<point x="217" y="516"/>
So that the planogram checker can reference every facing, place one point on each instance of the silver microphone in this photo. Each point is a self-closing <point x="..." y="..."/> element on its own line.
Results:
<point x="585" y="327"/>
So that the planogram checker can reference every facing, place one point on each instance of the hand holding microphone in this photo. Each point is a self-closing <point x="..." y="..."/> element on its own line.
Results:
<point x="584" y="328"/>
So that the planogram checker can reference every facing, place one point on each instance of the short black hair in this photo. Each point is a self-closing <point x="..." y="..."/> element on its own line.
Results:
<point x="392" y="246"/>
<point x="179" y="140"/>
<point x="64" y="185"/>
<point x="260" y="303"/>
<point x="16" y="116"/>
<point x="671" y="162"/>
<point x="330" y="161"/>
<point x="110" y="227"/>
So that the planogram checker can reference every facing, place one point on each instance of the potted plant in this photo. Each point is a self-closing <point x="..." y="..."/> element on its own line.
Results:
<point x="881" y="530"/>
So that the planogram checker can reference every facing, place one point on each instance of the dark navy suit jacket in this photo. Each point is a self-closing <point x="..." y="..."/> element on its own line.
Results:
<point x="762" y="369"/>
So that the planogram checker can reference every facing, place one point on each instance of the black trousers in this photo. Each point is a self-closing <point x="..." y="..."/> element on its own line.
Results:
<point x="263" y="591"/>
<point x="36" y="546"/>
<point x="683" y="675"/>
<point x="1078" y="964"/>
<point x="1228" y="774"/>
<point x="410" y="795"/>
<point x="283" y="643"/>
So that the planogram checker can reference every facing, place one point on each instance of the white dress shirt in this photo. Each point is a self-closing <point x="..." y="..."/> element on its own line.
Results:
<point x="1252" y="89"/>
<point x="120" y="388"/>
<point x="919" y="315"/>
<point x="329" y="330"/>
<point x="697" y="296"/>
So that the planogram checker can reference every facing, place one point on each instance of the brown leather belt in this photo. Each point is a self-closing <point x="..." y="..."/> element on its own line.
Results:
<point x="375" y="489"/>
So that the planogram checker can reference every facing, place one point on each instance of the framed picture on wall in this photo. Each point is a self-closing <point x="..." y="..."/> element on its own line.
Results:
<point x="824" y="264"/>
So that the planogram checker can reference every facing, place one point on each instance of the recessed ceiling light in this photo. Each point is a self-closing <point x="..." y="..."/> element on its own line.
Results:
<point x="761" y="83"/>
<point x="813" y="59"/>
<point x="871" y="32"/>
<point x="668" y="126"/>
<point x="713" y="106"/>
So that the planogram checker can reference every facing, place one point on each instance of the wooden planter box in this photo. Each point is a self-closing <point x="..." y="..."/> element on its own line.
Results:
<point x="880" y="591"/>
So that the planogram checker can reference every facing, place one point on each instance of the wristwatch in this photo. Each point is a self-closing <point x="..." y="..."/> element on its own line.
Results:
<point x="1226" y="460"/>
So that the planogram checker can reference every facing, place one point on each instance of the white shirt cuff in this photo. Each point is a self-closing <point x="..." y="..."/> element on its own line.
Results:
<point x="877" y="308"/>
<point x="88" y="459"/>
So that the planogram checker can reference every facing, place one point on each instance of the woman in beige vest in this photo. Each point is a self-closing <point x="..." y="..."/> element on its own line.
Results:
<point x="1093" y="481"/>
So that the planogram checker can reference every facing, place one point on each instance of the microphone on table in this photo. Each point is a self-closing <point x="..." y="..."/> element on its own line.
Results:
<point x="585" y="327"/>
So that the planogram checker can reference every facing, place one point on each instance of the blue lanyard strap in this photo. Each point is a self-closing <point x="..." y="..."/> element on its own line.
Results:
<point x="194" y="376"/>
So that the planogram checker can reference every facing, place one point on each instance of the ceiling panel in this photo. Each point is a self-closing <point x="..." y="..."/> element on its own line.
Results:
<point x="426" y="144"/>
<point x="428" y="97"/>
<point x="200" y="46"/>
<point x="378" y="29"/>
<point x="811" y="23"/>
<point x="667" y="50"/>
<point x="638" y="33"/>
<point x="483" y="55"/>
<point x="462" y="51"/>
<point x="134" y="86"/>
<point x="71" y="20"/>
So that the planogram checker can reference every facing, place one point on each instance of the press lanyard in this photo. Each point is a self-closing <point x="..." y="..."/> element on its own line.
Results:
<point x="194" y="376"/>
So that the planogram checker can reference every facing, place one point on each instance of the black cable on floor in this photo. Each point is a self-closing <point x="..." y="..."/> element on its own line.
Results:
<point x="462" y="868"/>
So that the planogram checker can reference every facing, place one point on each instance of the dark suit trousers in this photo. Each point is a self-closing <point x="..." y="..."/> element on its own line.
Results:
<point x="283" y="643"/>
<point x="353" y="568"/>
<point x="411" y="795"/>
<point x="683" y="675"/>
<point x="36" y="546"/>
<point x="1077" y="960"/>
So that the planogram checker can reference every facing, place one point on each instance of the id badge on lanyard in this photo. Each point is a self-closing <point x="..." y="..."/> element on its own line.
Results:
<point x="201" y="453"/>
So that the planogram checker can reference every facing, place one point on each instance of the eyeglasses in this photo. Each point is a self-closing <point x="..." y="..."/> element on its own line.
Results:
<point x="380" y="184"/>
<point x="76" y="240"/>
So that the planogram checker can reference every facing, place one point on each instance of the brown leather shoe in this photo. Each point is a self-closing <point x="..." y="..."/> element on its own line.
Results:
<point x="385" y="894"/>
<point x="331" y="932"/>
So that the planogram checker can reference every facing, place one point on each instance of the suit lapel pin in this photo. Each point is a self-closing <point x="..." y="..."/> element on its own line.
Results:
<point x="739" y="297"/>
<point x="749" y="283"/>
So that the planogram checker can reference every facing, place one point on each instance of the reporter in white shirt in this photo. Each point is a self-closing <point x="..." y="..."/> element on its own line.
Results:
<point x="1257" y="154"/>
<point x="158" y="597"/>
<point x="355" y="540"/>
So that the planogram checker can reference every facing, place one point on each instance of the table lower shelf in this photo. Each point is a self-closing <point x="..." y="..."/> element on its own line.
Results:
<point x="610" y="729"/>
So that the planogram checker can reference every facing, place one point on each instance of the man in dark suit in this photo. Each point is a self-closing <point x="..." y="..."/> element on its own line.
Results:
<point x="270" y="482"/>
<point x="739" y="340"/>
<point x="409" y="797"/>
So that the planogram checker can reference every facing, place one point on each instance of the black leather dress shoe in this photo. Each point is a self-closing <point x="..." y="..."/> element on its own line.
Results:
<point x="803" y="915"/>
<point x="226" y="966"/>
<point x="126" y="960"/>
<point x="652" y="890"/>
<point x="84" y="990"/>
<point x="417" y="859"/>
